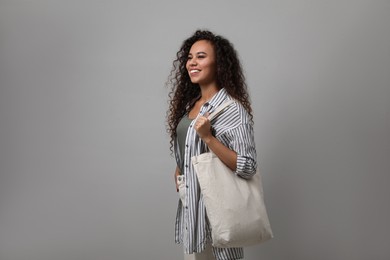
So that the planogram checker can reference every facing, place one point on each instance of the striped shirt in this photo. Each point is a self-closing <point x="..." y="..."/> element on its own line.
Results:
<point x="235" y="130"/>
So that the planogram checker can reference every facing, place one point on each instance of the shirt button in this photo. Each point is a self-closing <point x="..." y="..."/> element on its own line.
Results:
<point x="187" y="186"/>
<point x="186" y="166"/>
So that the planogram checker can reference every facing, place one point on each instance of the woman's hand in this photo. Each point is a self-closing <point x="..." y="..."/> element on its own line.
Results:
<point x="226" y="155"/>
<point x="203" y="127"/>
<point x="177" y="173"/>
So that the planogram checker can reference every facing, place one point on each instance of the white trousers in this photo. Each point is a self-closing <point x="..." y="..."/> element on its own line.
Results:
<point x="207" y="254"/>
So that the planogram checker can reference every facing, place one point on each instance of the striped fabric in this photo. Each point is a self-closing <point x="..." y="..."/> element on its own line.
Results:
<point x="235" y="130"/>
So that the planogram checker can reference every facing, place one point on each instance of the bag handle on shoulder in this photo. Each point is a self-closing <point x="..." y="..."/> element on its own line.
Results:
<point x="220" y="109"/>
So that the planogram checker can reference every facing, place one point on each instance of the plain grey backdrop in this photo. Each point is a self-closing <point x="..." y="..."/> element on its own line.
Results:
<point x="85" y="167"/>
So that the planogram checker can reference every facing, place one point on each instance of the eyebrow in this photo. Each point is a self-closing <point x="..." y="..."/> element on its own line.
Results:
<point x="200" y="52"/>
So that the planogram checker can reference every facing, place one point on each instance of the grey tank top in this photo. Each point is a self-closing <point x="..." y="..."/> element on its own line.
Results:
<point x="181" y="132"/>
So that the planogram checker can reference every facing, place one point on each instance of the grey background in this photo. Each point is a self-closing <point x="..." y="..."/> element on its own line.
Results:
<point x="85" y="167"/>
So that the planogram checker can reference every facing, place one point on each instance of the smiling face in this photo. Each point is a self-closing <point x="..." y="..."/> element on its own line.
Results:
<point x="201" y="63"/>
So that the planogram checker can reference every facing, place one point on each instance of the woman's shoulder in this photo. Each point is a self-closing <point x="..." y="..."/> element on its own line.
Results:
<point x="232" y="117"/>
<point x="238" y="110"/>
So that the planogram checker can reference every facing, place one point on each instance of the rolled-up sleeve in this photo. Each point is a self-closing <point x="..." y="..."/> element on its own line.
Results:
<point x="241" y="140"/>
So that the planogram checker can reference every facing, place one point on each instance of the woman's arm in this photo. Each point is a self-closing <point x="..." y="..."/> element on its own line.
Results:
<point x="226" y="155"/>
<point x="240" y="156"/>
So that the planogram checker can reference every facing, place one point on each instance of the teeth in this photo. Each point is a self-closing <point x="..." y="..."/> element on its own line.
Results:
<point x="193" y="71"/>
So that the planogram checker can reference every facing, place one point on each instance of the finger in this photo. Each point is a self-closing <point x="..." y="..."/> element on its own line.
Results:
<point x="202" y="119"/>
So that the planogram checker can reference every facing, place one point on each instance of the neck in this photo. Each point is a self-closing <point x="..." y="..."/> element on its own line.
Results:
<point x="208" y="92"/>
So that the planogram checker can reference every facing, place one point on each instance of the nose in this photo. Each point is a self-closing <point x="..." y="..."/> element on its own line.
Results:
<point x="192" y="62"/>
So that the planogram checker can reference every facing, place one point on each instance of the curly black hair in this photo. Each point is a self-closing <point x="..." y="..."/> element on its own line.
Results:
<point x="184" y="93"/>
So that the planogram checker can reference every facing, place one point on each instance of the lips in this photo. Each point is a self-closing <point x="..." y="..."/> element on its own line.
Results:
<point x="194" y="72"/>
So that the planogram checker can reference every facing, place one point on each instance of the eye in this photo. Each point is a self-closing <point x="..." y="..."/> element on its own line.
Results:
<point x="201" y="56"/>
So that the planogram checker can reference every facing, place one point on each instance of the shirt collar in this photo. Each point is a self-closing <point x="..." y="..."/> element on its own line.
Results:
<point x="217" y="100"/>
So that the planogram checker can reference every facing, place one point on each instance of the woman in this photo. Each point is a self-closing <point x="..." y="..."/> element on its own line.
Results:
<point x="206" y="73"/>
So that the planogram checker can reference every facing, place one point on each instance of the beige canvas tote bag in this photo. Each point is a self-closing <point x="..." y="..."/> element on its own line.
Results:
<point x="235" y="206"/>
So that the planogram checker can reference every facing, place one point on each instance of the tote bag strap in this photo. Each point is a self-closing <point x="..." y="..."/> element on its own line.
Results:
<point x="220" y="109"/>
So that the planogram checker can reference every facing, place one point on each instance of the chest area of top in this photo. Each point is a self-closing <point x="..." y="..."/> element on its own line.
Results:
<point x="196" y="109"/>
